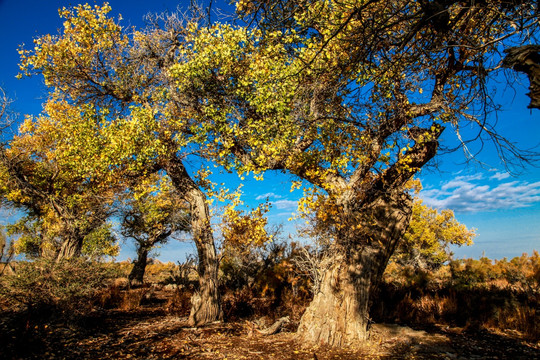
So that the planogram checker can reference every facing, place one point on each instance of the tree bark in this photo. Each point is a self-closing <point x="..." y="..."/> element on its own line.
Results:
<point x="205" y="303"/>
<point x="136" y="276"/>
<point x="71" y="248"/>
<point x="339" y="312"/>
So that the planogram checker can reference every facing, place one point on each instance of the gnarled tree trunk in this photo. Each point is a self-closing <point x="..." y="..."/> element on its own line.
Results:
<point x="71" y="247"/>
<point x="339" y="312"/>
<point x="205" y="303"/>
<point x="136" y="276"/>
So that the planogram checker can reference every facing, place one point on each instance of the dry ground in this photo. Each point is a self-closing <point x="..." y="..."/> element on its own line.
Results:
<point x="151" y="333"/>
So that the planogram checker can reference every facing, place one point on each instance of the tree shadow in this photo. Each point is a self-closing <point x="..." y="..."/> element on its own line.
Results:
<point x="84" y="337"/>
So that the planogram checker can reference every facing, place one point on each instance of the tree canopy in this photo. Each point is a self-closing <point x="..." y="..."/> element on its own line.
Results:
<point x="45" y="172"/>
<point x="351" y="97"/>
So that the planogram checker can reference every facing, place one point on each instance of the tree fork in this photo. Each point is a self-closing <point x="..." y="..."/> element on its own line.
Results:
<point x="526" y="59"/>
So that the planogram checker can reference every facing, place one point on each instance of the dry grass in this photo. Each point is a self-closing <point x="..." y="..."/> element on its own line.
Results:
<point x="470" y="295"/>
<point x="499" y="295"/>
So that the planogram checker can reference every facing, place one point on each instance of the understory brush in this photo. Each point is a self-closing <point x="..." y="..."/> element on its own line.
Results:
<point x="500" y="295"/>
<point x="269" y="283"/>
<point x="264" y="283"/>
<point x="47" y="288"/>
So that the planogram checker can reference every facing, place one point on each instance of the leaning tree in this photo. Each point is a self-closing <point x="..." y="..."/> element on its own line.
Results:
<point x="122" y="74"/>
<point x="351" y="97"/>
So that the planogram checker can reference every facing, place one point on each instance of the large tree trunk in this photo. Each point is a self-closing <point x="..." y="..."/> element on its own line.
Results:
<point x="351" y="271"/>
<point x="205" y="303"/>
<point x="71" y="248"/>
<point x="136" y="276"/>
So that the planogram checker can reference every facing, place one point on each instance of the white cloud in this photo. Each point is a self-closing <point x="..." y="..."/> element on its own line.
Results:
<point x="500" y="176"/>
<point x="478" y="176"/>
<point x="466" y="194"/>
<point x="268" y="195"/>
<point x="285" y="204"/>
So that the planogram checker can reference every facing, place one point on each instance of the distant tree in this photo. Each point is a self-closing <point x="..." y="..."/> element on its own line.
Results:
<point x="34" y="239"/>
<point x="431" y="231"/>
<point x="246" y="239"/>
<point x="244" y="230"/>
<point x="40" y="175"/>
<point x="152" y="212"/>
<point x="252" y="255"/>
<point x="101" y="243"/>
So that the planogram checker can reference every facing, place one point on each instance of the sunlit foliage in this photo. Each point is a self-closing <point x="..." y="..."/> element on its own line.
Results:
<point x="431" y="231"/>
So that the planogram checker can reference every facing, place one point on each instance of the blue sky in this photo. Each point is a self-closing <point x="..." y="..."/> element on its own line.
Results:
<point x="504" y="209"/>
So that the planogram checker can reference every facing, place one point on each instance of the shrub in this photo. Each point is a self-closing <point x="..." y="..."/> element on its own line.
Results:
<point x="180" y="303"/>
<point x="265" y="281"/>
<point x="133" y="298"/>
<point x="66" y="287"/>
<point x="498" y="294"/>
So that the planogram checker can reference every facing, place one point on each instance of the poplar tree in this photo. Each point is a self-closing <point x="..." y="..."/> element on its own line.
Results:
<point x="351" y="97"/>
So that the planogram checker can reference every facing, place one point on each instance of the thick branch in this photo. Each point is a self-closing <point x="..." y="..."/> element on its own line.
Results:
<point x="412" y="161"/>
<point x="526" y="59"/>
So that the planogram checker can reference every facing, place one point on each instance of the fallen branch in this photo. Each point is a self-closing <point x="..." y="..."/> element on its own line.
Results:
<point x="275" y="328"/>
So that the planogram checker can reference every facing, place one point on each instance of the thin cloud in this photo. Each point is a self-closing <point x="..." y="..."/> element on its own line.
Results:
<point x="477" y="176"/>
<point x="500" y="176"/>
<point x="285" y="204"/>
<point x="466" y="194"/>
<point x="268" y="196"/>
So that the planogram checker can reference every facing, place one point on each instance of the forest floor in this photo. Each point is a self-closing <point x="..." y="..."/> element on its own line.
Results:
<point x="150" y="333"/>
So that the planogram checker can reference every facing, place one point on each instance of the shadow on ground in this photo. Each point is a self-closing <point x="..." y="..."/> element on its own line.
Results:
<point x="150" y="335"/>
